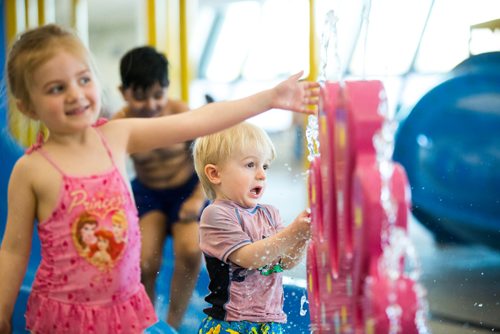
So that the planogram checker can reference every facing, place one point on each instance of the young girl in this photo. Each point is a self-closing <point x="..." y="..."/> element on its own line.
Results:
<point x="245" y="244"/>
<point x="79" y="169"/>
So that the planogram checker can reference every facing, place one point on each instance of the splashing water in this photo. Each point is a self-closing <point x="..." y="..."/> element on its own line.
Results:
<point x="392" y="247"/>
<point x="395" y="241"/>
<point x="328" y="34"/>
<point x="312" y="137"/>
<point x="303" y="301"/>
<point x="383" y="141"/>
<point x="365" y="24"/>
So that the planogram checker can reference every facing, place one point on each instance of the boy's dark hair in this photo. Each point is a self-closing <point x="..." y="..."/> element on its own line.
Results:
<point x="142" y="67"/>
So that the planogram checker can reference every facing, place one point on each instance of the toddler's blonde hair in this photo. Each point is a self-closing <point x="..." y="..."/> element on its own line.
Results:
<point x="219" y="147"/>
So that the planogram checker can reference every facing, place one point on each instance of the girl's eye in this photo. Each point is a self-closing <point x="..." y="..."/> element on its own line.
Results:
<point x="266" y="166"/>
<point x="84" y="80"/>
<point x="56" y="89"/>
<point x="250" y="164"/>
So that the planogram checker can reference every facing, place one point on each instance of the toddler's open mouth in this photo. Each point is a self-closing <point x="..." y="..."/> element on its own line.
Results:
<point x="256" y="191"/>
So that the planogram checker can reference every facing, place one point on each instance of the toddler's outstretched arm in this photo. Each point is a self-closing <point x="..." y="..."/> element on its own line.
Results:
<point x="286" y="244"/>
<point x="16" y="244"/>
<point x="149" y="133"/>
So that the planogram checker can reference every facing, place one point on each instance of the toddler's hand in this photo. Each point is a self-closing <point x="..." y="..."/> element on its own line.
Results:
<point x="298" y="96"/>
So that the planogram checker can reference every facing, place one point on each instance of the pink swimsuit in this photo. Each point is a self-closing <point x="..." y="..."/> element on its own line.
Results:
<point x="88" y="280"/>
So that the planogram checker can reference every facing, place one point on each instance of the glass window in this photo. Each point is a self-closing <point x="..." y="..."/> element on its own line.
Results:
<point x="446" y="40"/>
<point x="393" y="31"/>
<point x="281" y="45"/>
<point x="234" y="41"/>
<point x="260" y="41"/>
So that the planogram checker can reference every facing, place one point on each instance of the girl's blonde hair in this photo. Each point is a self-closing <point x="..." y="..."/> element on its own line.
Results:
<point x="34" y="48"/>
<point x="219" y="147"/>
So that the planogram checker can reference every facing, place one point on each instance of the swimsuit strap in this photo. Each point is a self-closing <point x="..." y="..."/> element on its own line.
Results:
<point x="96" y="126"/>
<point x="37" y="146"/>
<point x="38" y="143"/>
<point x="51" y="161"/>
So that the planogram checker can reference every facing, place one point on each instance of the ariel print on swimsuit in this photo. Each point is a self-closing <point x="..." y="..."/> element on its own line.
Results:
<point x="101" y="240"/>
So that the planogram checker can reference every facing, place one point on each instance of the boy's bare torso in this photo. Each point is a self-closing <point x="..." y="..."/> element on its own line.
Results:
<point x="166" y="167"/>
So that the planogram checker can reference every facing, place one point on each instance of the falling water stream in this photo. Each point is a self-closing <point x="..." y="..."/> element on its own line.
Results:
<point x="394" y="240"/>
<point x="392" y="247"/>
<point x="329" y="33"/>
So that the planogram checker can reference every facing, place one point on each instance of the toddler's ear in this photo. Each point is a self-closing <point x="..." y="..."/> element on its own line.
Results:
<point x="26" y="109"/>
<point x="212" y="173"/>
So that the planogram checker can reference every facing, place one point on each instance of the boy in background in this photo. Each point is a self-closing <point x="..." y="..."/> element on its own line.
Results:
<point x="167" y="192"/>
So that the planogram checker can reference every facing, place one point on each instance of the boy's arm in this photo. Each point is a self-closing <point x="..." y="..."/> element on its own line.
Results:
<point x="284" y="244"/>
<point x="150" y="133"/>
<point x="16" y="245"/>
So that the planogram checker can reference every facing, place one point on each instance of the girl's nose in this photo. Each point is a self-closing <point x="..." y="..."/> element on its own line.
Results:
<point x="74" y="93"/>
